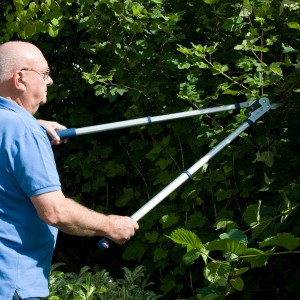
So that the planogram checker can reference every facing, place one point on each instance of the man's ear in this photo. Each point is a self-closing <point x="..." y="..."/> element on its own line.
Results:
<point x="18" y="81"/>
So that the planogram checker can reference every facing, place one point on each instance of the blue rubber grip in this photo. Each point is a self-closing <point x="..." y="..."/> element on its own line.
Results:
<point x="67" y="133"/>
<point x="104" y="243"/>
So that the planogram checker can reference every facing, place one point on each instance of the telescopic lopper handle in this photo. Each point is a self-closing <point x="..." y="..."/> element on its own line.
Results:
<point x="72" y="132"/>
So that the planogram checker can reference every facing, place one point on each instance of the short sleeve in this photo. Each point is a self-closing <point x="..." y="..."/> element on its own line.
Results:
<point x="33" y="165"/>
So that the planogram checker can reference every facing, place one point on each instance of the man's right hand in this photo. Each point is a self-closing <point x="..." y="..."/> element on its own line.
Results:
<point x="121" y="228"/>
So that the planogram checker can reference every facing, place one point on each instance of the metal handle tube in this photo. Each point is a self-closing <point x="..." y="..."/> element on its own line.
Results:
<point x="150" y="120"/>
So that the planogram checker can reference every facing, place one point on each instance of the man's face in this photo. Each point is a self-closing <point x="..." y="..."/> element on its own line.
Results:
<point x="37" y="80"/>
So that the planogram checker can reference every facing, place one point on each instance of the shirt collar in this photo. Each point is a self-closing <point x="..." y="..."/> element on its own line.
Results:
<point x="11" y="105"/>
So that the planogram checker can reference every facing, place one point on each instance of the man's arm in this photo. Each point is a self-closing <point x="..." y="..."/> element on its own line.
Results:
<point x="73" y="218"/>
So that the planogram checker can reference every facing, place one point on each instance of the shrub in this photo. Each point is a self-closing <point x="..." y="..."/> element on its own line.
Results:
<point x="100" y="285"/>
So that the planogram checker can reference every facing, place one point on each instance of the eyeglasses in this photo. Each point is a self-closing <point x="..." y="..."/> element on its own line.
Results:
<point x="44" y="74"/>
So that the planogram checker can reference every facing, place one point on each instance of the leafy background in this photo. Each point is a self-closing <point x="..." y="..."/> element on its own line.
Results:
<point x="231" y="232"/>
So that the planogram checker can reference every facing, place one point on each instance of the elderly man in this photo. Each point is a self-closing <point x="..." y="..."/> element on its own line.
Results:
<point x="32" y="204"/>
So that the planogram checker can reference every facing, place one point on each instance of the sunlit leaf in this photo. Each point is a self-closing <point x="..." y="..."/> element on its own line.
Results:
<point x="231" y="245"/>
<point x="186" y="237"/>
<point x="293" y="25"/>
<point x="217" y="272"/>
<point x="285" y="240"/>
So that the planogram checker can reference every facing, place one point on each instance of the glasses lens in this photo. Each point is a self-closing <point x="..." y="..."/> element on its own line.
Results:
<point x="46" y="74"/>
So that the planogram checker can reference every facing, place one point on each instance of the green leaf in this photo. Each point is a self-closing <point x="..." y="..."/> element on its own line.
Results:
<point x="153" y="154"/>
<point x="135" y="251"/>
<point x="169" y="220"/>
<point x="267" y="157"/>
<point x="222" y="194"/>
<point x="261" y="226"/>
<point x="231" y="92"/>
<point x="251" y="215"/>
<point x="233" y="24"/>
<point x="84" y="270"/>
<point x="52" y="30"/>
<point x="231" y="245"/>
<point x="239" y="271"/>
<point x="186" y="237"/>
<point x="285" y="240"/>
<point x="113" y="169"/>
<point x="22" y="2"/>
<point x="201" y="65"/>
<point x="235" y="234"/>
<point x="163" y="163"/>
<point x="237" y="283"/>
<point x="118" y="90"/>
<point x="293" y="25"/>
<point x="30" y="29"/>
<point x="275" y="68"/>
<point x="260" y="49"/>
<point x="168" y="283"/>
<point x="213" y="296"/>
<point x="288" y="49"/>
<point x="218" y="68"/>
<point x="210" y="2"/>
<point x="10" y="18"/>
<point x="246" y="11"/>
<point x="100" y="90"/>
<point x="95" y="69"/>
<point x="196" y="220"/>
<point x="152" y="237"/>
<point x="217" y="272"/>
<point x="255" y="257"/>
<point x="183" y="66"/>
<point x="191" y="256"/>
<point x="159" y="254"/>
<point x="33" y="7"/>
<point x="55" y="22"/>
<point x="184" y="50"/>
<point x="225" y="224"/>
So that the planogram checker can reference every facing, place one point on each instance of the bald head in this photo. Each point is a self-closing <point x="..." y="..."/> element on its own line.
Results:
<point x="15" y="55"/>
<point x="24" y="75"/>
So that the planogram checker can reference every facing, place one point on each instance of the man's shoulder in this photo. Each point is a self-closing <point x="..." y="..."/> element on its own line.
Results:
<point x="14" y="126"/>
<point x="13" y="122"/>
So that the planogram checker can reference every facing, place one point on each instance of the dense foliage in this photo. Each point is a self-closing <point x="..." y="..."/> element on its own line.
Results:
<point x="230" y="232"/>
<point x="99" y="285"/>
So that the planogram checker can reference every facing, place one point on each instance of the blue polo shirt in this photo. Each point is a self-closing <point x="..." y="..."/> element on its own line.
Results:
<point x="27" y="168"/>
